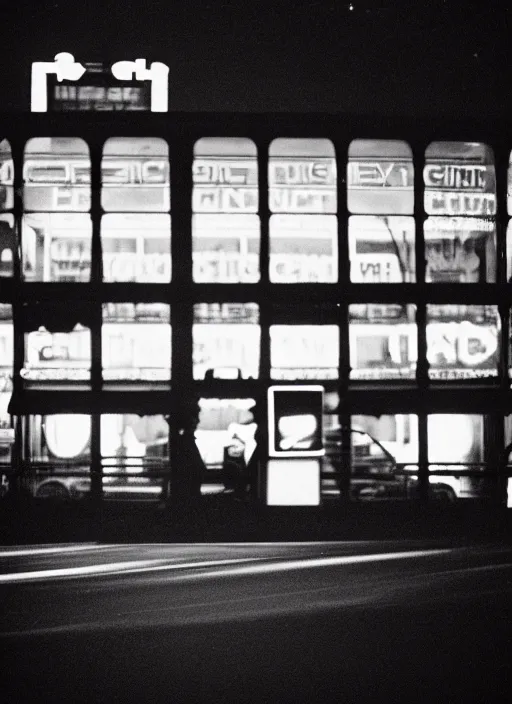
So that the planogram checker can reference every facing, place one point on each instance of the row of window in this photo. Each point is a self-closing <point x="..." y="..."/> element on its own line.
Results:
<point x="463" y="342"/>
<point x="382" y="462"/>
<point x="56" y="232"/>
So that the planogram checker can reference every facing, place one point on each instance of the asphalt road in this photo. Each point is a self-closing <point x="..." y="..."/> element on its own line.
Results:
<point x="338" y="621"/>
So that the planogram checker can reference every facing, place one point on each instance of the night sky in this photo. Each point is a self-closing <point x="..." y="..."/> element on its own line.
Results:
<point x="383" y="57"/>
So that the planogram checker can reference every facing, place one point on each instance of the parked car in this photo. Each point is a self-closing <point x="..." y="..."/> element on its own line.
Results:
<point x="375" y="474"/>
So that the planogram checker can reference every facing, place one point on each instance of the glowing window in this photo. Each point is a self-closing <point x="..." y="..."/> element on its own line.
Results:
<point x="57" y="343"/>
<point x="381" y="249"/>
<point x="380" y="177"/>
<point x="226" y="340"/>
<point x="462" y="341"/>
<point x="460" y="197"/>
<point x="56" y="247"/>
<point x="6" y="373"/>
<point x="383" y="341"/>
<point x="136" y="449"/>
<point x="302" y="196"/>
<point x="136" y="342"/>
<point x="7" y="244"/>
<point x="56" y="175"/>
<point x="304" y="351"/>
<point x="225" y="227"/>
<point x="135" y="175"/>
<point x="136" y="247"/>
<point x="6" y="176"/>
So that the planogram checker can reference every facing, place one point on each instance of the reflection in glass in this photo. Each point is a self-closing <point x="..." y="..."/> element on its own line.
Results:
<point x="6" y="176"/>
<point x="135" y="175"/>
<point x="6" y="374"/>
<point x="381" y="249"/>
<point x="225" y="227"/>
<point x="135" y="454"/>
<point x="56" y="175"/>
<point x="383" y="341"/>
<point x="460" y="250"/>
<point x="383" y="457"/>
<point x="57" y="356"/>
<point x="6" y="339"/>
<point x="302" y="176"/>
<point x="459" y="179"/>
<point x="225" y="438"/>
<point x="136" y="342"/>
<point x="7" y="245"/>
<point x="304" y="351"/>
<point x="380" y="177"/>
<point x="56" y="454"/>
<point x="462" y="341"/>
<point x="56" y="247"/>
<point x="136" y="247"/>
<point x="466" y="453"/>
<point x="226" y="340"/>
<point x="225" y="248"/>
<point x="303" y="249"/>
<point x="302" y="194"/>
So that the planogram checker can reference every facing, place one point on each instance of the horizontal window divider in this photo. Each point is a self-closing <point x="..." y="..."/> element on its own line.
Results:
<point x="293" y="294"/>
<point x="142" y="402"/>
<point x="391" y="400"/>
<point x="265" y="125"/>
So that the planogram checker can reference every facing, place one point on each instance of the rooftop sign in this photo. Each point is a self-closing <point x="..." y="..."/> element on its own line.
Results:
<point x="67" y="85"/>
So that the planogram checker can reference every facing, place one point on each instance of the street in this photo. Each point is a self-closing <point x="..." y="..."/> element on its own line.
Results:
<point x="341" y="621"/>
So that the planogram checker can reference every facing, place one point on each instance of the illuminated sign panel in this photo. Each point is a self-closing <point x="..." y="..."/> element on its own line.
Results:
<point x="225" y="185"/>
<point x="459" y="179"/>
<point x="295" y="416"/>
<point x="302" y="185"/>
<point x="67" y="85"/>
<point x="68" y="97"/>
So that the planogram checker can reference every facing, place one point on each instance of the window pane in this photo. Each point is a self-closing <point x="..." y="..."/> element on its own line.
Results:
<point x="383" y="341"/>
<point x="459" y="179"/>
<point x="225" y="438"/>
<point x="135" y="175"/>
<point x="56" y="175"/>
<point x="462" y="341"/>
<point x="380" y="177"/>
<point x="56" y="356"/>
<point x="381" y="249"/>
<point x="136" y="342"/>
<point x="6" y="340"/>
<point x="509" y="186"/>
<point x="225" y="236"/>
<point x="136" y="248"/>
<point x="304" y="351"/>
<point x="6" y="176"/>
<point x="509" y="252"/>
<point x="467" y="453"/>
<point x="7" y="245"/>
<point x="57" y="455"/>
<point x="136" y="449"/>
<point x="56" y="247"/>
<point x="6" y="429"/>
<point x="6" y="373"/>
<point x="225" y="175"/>
<point x="226" y="340"/>
<point x="226" y="248"/>
<point x="460" y="250"/>
<point x="302" y="176"/>
<point x="382" y="461"/>
<point x="303" y="249"/>
<point x="302" y="188"/>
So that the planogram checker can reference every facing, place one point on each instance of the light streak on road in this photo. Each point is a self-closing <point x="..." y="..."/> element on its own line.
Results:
<point x="237" y="566"/>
